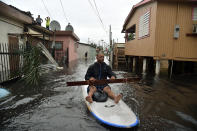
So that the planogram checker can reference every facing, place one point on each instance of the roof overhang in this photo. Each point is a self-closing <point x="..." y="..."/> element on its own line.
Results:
<point x="84" y="44"/>
<point x="32" y="34"/>
<point x="15" y="14"/>
<point x="36" y="31"/>
<point x="146" y="2"/>
<point x="67" y="33"/>
<point x="40" y="29"/>
<point x="132" y="12"/>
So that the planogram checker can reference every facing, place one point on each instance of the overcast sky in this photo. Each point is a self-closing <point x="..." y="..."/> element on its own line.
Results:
<point x="82" y="16"/>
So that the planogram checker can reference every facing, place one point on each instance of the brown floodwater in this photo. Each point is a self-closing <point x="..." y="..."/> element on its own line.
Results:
<point x="160" y="104"/>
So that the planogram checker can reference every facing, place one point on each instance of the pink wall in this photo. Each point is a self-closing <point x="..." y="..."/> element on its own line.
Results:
<point x="68" y="42"/>
<point x="73" y="50"/>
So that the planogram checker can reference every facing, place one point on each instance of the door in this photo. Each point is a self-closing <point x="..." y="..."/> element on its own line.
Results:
<point x="14" y="57"/>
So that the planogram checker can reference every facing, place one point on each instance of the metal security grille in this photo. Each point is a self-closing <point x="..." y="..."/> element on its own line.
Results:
<point x="11" y="61"/>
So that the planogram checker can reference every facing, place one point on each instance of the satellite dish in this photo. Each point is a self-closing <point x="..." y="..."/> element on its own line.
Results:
<point x="54" y="25"/>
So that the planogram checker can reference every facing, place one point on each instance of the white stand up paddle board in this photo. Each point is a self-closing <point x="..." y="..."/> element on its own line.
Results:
<point x="110" y="113"/>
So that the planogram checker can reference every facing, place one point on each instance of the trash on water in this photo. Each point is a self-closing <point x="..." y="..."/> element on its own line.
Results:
<point x="3" y="92"/>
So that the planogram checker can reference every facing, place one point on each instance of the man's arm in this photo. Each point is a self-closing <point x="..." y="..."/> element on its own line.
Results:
<point x="110" y="74"/>
<point x="89" y="73"/>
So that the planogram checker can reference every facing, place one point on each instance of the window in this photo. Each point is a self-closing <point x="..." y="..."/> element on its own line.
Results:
<point x="194" y="13"/>
<point x="130" y="35"/>
<point x="144" y="25"/>
<point x="58" y="45"/>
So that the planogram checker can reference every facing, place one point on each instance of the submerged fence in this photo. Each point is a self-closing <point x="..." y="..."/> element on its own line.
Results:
<point x="11" y="61"/>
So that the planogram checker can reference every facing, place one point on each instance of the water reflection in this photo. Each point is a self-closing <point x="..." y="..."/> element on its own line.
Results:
<point x="160" y="103"/>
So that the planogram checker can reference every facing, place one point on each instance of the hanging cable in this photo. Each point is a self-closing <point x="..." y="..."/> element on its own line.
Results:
<point x="97" y="14"/>
<point x="64" y="11"/>
<point x="47" y="9"/>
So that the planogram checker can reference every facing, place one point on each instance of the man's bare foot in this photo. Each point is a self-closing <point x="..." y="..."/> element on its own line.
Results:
<point x="118" y="97"/>
<point x="89" y="99"/>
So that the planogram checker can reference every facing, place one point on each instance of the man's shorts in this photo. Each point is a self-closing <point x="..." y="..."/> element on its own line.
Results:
<point x="99" y="95"/>
<point x="100" y="87"/>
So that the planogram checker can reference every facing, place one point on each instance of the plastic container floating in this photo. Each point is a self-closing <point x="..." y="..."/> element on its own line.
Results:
<point x="4" y="92"/>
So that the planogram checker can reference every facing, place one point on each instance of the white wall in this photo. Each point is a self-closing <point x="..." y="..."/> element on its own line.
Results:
<point x="7" y="26"/>
<point x="82" y="49"/>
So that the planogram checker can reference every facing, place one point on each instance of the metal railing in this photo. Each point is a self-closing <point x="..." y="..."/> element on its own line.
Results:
<point x="60" y="57"/>
<point x="11" y="61"/>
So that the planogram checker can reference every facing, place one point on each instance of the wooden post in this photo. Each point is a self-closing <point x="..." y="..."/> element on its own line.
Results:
<point x="134" y="64"/>
<point x="144" y="65"/>
<point x="157" y="68"/>
<point x="130" y="64"/>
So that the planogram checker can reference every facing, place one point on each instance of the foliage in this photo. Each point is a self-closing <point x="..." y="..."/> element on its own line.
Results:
<point x="93" y="45"/>
<point x="131" y="36"/>
<point x="31" y="68"/>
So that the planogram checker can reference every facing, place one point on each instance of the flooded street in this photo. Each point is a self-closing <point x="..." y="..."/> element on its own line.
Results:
<point x="161" y="104"/>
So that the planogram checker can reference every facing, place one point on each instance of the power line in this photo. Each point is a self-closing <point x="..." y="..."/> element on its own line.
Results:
<point x="97" y="14"/>
<point x="46" y="9"/>
<point x="63" y="11"/>
<point x="92" y="6"/>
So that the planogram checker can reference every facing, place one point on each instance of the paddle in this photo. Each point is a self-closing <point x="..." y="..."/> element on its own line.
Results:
<point x="102" y="82"/>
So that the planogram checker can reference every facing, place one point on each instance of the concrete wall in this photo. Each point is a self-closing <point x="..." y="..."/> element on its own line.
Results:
<point x="83" y="48"/>
<point x="72" y="49"/>
<point x="69" y="43"/>
<point x="8" y="26"/>
<point x="92" y="53"/>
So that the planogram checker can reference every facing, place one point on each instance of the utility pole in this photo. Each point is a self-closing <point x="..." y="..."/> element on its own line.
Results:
<point x="88" y="40"/>
<point x="110" y="42"/>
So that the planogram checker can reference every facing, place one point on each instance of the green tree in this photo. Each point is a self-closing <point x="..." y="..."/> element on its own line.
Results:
<point x="31" y="65"/>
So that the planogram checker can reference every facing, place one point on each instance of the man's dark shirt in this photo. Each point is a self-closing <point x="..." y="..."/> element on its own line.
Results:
<point x="39" y="21"/>
<point x="99" y="71"/>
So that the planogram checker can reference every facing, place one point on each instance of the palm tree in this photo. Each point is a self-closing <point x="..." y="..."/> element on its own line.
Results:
<point x="31" y="65"/>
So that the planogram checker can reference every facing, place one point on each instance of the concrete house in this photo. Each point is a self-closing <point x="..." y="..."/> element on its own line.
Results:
<point x="66" y="44"/>
<point x="164" y="31"/>
<point x="86" y="51"/>
<point x="17" y="28"/>
<point x="12" y="21"/>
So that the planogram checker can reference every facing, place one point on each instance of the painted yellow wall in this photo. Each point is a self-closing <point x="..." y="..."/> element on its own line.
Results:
<point x="145" y="46"/>
<point x="185" y="47"/>
<point x="161" y="43"/>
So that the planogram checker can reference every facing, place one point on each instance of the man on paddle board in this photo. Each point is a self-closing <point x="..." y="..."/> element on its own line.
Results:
<point x="98" y="71"/>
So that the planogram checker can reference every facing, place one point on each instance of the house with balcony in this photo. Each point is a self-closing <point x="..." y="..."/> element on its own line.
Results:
<point x="162" y="33"/>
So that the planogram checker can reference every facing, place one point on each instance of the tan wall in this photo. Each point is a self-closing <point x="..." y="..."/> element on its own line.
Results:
<point x="166" y="47"/>
<point x="145" y="46"/>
